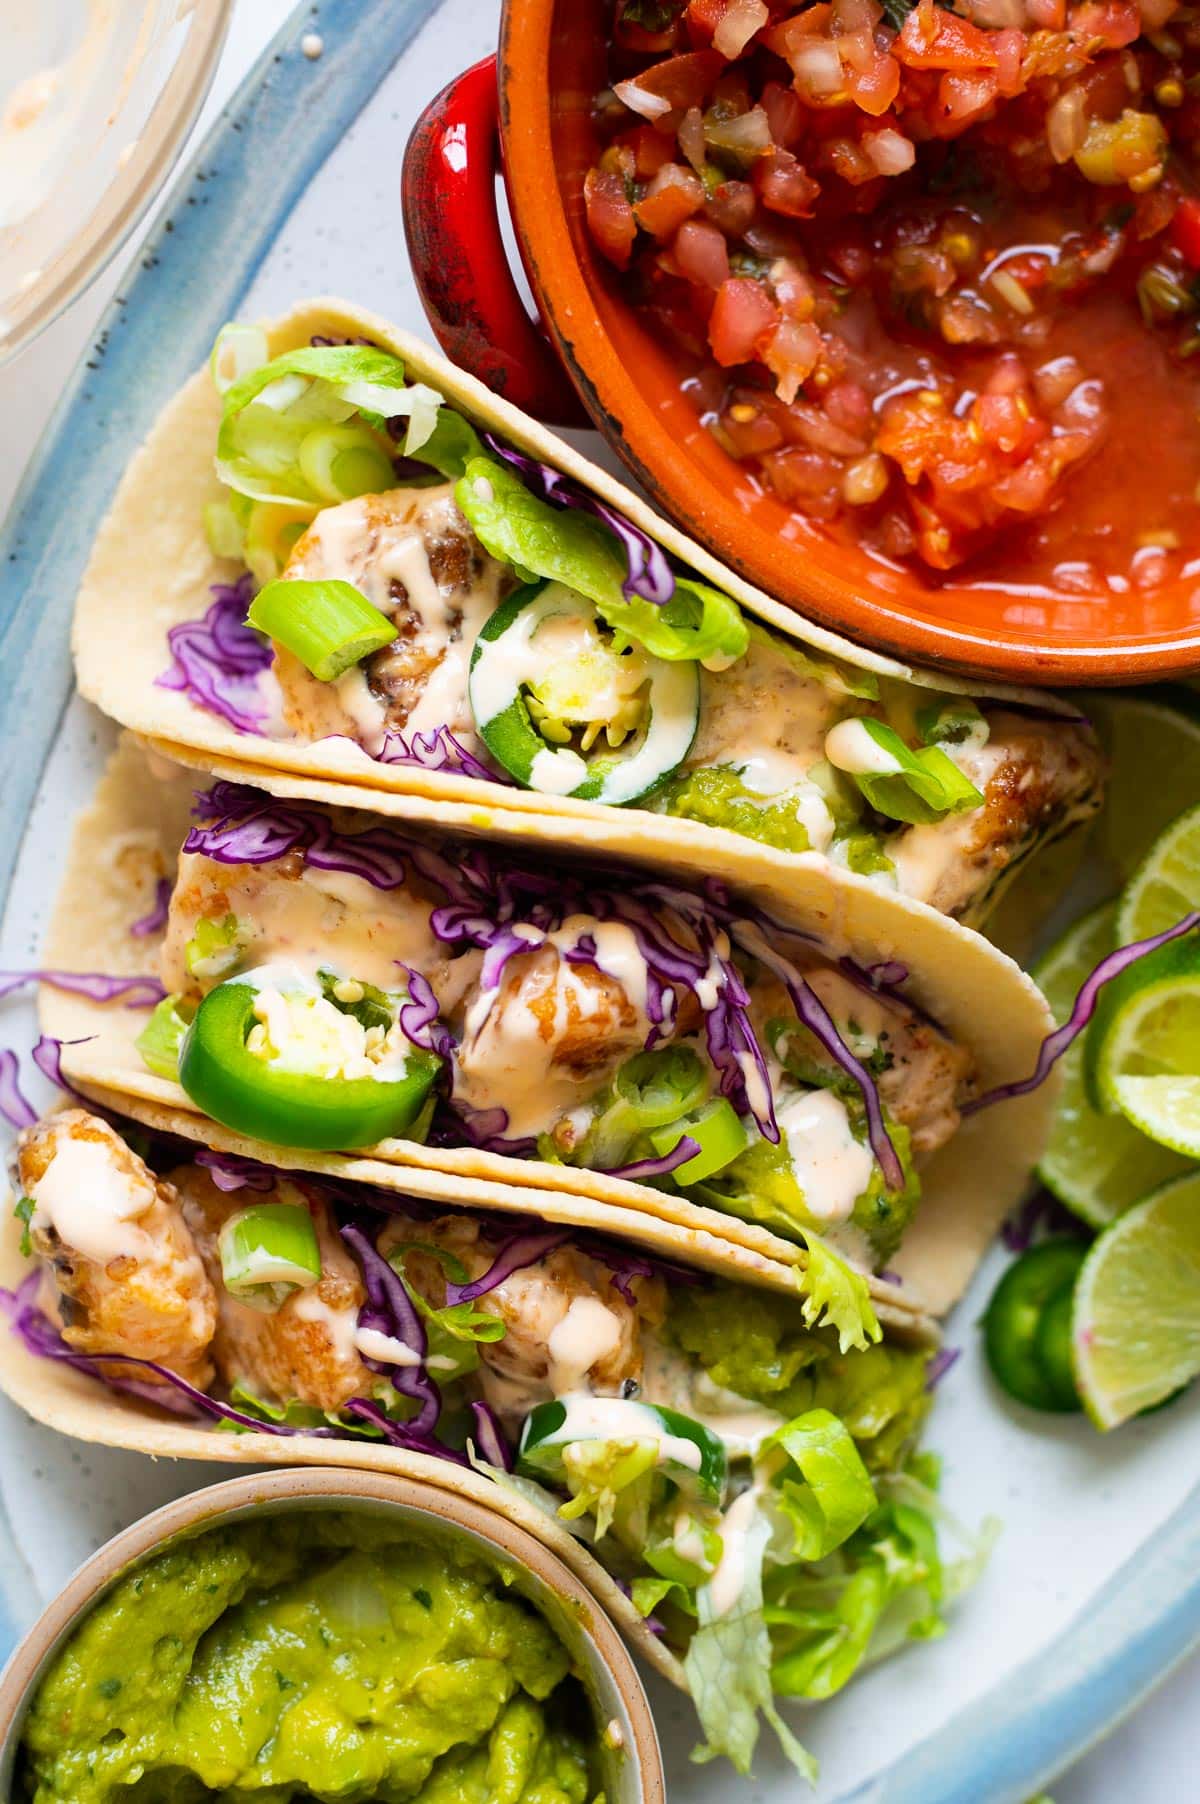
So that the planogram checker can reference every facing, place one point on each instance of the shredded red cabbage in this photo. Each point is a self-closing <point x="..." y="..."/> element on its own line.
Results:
<point x="1038" y="1215"/>
<point x="15" y="1106"/>
<point x="391" y="1310"/>
<point x="230" y="1171"/>
<point x="1084" y="1007"/>
<point x="518" y="1252"/>
<point x="501" y="908"/>
<point x="156" y="920"/>
<point x="139" y="992"/>
<point x="658" y="1168"/>
<point x="437" y="750"/>
<point x="418" y="1017"/>
<point x="490" y="1438"/>
<point x="401" y="1434"/>
<point x="650" y="576"/>
<point x="218" y="661"/>
<point x="940" y="1364"/>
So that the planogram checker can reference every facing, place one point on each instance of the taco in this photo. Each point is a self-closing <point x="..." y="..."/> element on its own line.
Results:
<point x="753" y="1063"/>
<point x="706" y="1454"/>
<point x="446" y="602"/>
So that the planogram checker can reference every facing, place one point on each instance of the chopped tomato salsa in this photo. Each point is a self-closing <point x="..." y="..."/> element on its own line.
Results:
<point x="933" y="274"/>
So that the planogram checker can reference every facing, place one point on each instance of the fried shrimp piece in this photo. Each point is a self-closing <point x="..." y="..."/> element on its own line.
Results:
<point x="921" y="1074"/>
<point x="122" y="1270"/>
<point x="1039" y="780"/>
<point x="413" y="556"/>
<point x="566" y="1325"/>
<point x="548" y="1038"/>
<point x="303" y="1352"/>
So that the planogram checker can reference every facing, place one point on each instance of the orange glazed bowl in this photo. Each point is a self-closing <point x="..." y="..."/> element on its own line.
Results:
<point x="551" y="64"/>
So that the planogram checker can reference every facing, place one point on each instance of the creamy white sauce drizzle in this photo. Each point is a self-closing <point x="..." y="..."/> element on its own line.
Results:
<point x="372" y="1343"/>
<point x="831" y="1166"/>
<point x="729" y="1580"/>
<point x="91" y="1203"/>
<point x="587" y="1334"/>
<point x="340" y="1325"/>
<point x="850" y="747"/>
<point x="673" y="1381"/>
<point x="591" y="1418"/>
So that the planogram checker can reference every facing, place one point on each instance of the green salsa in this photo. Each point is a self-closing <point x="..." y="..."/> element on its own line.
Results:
<point x="310" y="1656"/>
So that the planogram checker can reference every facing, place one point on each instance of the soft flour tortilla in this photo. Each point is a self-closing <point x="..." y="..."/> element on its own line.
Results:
<point x="151" y="568"/>
<point x="129" y="839"/>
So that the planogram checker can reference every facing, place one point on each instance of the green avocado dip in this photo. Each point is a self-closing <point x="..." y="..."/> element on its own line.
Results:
<point x="311" y="1655"/>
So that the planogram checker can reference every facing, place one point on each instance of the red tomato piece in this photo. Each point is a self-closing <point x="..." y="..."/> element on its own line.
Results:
<point x="673" y="196"/>
<point x="744" y="312"/>
<point x="701" y="254"/>
<point x="609" y="216"/>
<point x="682" y="81"/>
<point x="935" y="39"/>
<point x="784" y="185"/>
<point x="731" y="207"/>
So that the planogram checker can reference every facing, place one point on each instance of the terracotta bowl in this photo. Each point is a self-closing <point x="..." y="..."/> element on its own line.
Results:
<point x="633" y="1773"/>
<point x="550" y="65"/>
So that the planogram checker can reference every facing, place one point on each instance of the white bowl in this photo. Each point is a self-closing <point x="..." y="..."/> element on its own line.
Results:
<point x="96" y="99"/>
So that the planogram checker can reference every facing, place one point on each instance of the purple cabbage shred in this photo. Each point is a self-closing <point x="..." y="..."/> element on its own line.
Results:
<point x="139" y="992"/>
<point x="218" y="661"/>
<point x="156" y="919"/>
<point x="437" y="750"/>
<point x="1084" y="1007"/>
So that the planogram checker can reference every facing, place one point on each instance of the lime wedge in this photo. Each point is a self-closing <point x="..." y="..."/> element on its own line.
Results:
<point x="1142" y="1050"/>
<point x="1096" y="1164"/>
<point x="1154" y="747"/>
<point x="1166" y="885"/>
<point x="1135" y="1329"/>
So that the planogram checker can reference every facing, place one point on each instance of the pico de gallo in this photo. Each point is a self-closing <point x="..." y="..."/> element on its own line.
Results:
<point x="933" y="274"/>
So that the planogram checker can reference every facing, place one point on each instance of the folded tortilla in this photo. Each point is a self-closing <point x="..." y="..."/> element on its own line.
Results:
<point x="129" y="840"/>
<point x="151" y="569"/>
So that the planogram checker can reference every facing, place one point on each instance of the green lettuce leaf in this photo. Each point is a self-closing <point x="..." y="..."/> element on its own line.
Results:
<point x="728" y="1668"/>
<point x="834" y="1496"/>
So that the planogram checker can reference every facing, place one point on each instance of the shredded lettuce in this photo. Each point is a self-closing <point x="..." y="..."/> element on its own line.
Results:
<point x="728" y="1667"/>
<point x="284" y="436"/>
<point x="834" y="1496"/>
<point x="579" y="551"/>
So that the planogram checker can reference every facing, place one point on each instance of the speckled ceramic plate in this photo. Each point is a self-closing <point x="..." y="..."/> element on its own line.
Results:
<point x="1094" y="1589"/>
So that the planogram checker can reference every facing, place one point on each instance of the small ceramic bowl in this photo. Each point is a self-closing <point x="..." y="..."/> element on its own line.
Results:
<point x="538" y="94"/>
<point x="95" y="105"/>
<point x="624" y="1727"/>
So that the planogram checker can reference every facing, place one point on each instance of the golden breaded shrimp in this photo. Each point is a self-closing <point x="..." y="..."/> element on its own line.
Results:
<point x="566" y="1325"/>
<point x="124" y="1268"/>
<point x="411" y="553"/>
<point x="303" y="1352"/>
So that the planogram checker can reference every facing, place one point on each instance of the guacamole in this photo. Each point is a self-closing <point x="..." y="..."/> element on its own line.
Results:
<point x="310" y="1656"/>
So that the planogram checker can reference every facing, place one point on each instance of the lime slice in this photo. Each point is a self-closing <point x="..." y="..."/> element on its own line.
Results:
<point x="1166" y="885"/>
<point x="1142" y="1051"/>
<point x="1154" y="747"/>
<point x="1135" y="1331"/>
<point x="1096" y="1164"/>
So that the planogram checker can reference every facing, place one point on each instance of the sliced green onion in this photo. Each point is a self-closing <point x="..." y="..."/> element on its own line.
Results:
<point x="267" y="1252"/>
<point x="339" y="462"/>
<point x="718" y="1131"/>
<point x="213" y="950"/>
<point x="238" y="352"/>
<point x="162" y="1036"/>
<point x="223" y="531"/>
<point x="328" y="625"/>
<point x="914" y="787"/>
<point x="272" y="530"/>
